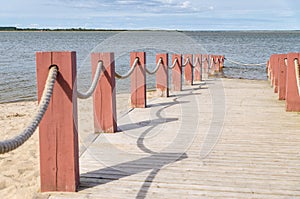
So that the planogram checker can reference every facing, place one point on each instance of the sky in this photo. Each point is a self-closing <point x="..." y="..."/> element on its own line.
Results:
<point x="153" y="14"/>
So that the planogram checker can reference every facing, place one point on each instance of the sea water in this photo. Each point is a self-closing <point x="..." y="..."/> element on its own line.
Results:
<point x="18" y="67"/>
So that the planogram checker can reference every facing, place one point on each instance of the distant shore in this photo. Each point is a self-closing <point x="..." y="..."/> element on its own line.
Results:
<point x="13" y="29"/>
<point x="16" y="29"/>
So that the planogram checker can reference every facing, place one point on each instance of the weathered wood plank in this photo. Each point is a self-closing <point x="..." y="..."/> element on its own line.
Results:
<point x="252" y="145"/>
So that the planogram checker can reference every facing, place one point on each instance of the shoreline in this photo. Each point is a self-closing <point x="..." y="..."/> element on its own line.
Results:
<point x="149" y="90"/>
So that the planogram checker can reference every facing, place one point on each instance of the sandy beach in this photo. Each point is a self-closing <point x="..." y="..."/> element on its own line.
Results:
<point x="19" y="176"/>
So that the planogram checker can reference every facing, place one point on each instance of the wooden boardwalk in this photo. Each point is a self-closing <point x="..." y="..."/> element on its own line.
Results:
<point x="222" y="139"/>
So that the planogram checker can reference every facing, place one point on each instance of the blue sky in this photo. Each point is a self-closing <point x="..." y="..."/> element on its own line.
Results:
<point x="153" y="14"/>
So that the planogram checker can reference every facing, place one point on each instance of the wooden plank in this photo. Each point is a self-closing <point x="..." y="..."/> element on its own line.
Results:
<point x="253" y="157"/>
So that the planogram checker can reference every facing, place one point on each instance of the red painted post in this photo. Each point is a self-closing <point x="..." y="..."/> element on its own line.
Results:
<point x="212" y="64"/>
<point x="198" y="68"/>
<point x="282" y="76"/>
<point x="268" y="70"/>
<point x="292" y="93"/>
<point x="104" y="97"/>
<point x="58" y="136"/>
<point x="275" y="66"/>
<point x="177" y="73"/>
<point x="188" y="69"/>
<point x="217" y="65"/>
<point x="272" y="71"/>
<point x="162" y="75"/>
<point x="222" y="58"/>
<point x="138" y="80"/>
<point x="205" y="63"/>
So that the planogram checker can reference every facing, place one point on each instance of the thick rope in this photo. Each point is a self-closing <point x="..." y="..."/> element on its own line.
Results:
<point x="129" y="72"/>
<point x="205" y="60"/>
<point x="91" y="90"/>
<point x="242" y="64"/>
<point x="13" y="143"/>
<point x="196" y="62"/>
<point x="215" y="61"/>
<point x="156" y="68"/>
<point x="297" y="68"/>
<point x="174" y="64"/>
<point x="187" y="61"/>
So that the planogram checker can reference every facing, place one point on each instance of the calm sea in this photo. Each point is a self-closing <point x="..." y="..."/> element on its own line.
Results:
<point x="17" y="53"/>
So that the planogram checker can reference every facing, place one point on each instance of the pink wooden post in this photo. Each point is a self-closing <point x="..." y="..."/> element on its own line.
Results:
<point x="217" y="65"/>
<point x="162" y="75"/>
<point x="177" y="73"/>
<point x="58" y="136"/>
<point x="272" y="69"/>
<point x="222" y="58"/>
<point x="198" y="68"/>
<point x="282" y="76"/>
<point x="212" y="64"/>
<point x="268" y="68"/>
<point x="292" y="94"/>
<point x="138" y="80"/>
<point x="275" y="72"/>
<point x="104" y="97"/>
<point x="205" y="59"/>
<point x="188" y="69"/>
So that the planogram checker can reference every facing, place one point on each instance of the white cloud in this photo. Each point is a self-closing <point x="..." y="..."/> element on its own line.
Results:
<point x="185" y="4"/>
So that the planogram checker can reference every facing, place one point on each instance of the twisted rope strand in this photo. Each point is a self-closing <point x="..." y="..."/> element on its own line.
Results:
<point x="93" y="86"/>
<point x="156" y="68"/>
<point x="129" y="72"/>
<point x="196" y="62"/>
<point x="187" y="61"/>
<point x="205" y="60"/>
<point x="242" y="64"/>
<point x="13" y="143"/>
<point x="174" y="64"/>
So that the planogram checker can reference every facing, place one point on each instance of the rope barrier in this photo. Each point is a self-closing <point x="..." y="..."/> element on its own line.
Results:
<point x="91" y="90"/>
<point x="297" y="68"/>
<point x="129" y="72"/>
<point x="187" y="61"/>
<point x="174" y="64"/>
<point x="243" y="64"/>
<point x="197" y="61"/>
<point x="156" y="68"/>
<point x="13" y="143"/>
<point x="205" y="60"/>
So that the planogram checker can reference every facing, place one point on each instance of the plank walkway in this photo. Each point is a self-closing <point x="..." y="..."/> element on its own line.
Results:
<point x="226" y="138"/>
